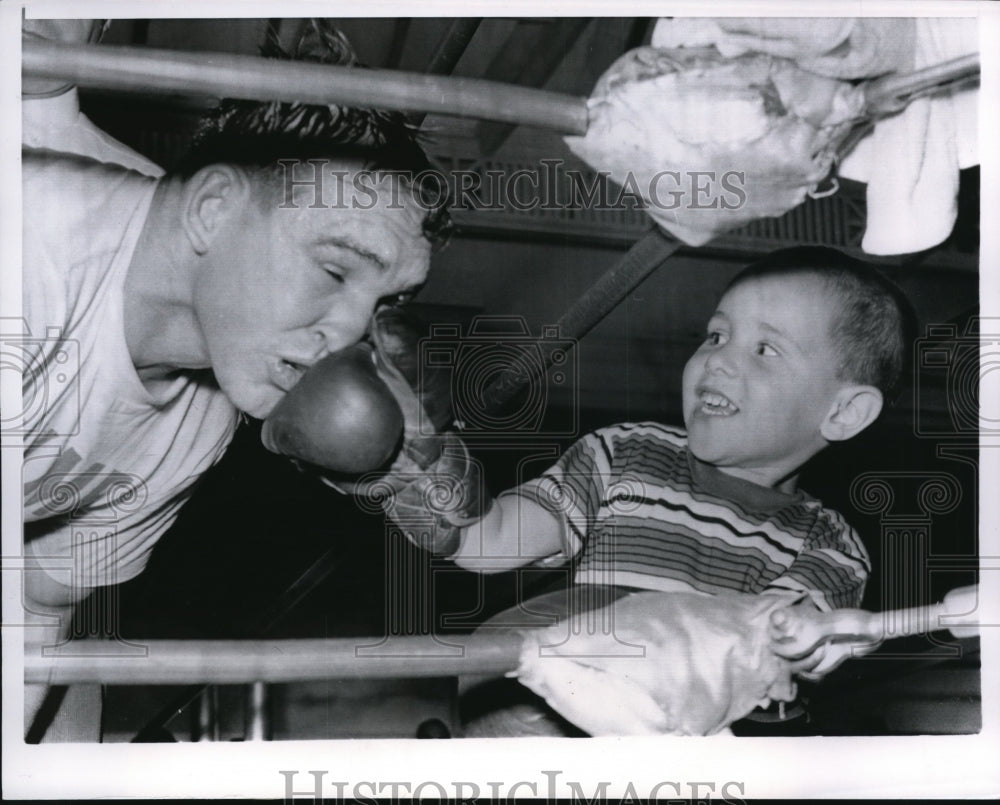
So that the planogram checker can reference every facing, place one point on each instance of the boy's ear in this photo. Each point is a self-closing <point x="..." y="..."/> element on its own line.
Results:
<point x="211" y="197"/>
<point x="853" y="410"/>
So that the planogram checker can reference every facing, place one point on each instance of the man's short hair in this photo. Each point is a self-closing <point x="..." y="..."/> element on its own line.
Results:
<point x="255" y="135"/>
<point x="874" y="328"/>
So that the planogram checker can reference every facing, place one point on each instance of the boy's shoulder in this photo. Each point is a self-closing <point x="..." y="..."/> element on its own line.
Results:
<point x="649" y="450"/>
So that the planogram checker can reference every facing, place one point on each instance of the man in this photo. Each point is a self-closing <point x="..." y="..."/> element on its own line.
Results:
<point x="162" y="307"/>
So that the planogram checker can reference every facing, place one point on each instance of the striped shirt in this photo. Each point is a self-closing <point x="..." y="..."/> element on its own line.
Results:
<point x="639" y="510"/>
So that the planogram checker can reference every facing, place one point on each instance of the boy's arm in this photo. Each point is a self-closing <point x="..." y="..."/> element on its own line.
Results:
<point x="832" y="569"/>
<point x="832" y="566"/>
<point x="515" y="532"/>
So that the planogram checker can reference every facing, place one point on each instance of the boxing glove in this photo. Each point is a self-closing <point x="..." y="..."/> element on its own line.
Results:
<point x="397" y="336"/>
<point x="433" y="488"/>
<point x="341" y="416"/>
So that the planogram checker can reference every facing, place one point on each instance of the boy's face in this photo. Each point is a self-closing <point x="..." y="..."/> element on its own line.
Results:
<point x="757" y="390"/>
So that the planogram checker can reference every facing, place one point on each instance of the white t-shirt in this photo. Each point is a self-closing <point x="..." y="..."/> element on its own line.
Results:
<point x="108" y="464"/>
<point x="57" y="124"/>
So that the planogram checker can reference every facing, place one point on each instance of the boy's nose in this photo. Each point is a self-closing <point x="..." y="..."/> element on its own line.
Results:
<point x="720" y="360"/>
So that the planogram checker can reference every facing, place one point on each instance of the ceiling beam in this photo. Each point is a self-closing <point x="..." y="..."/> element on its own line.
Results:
<point x="452" y="45"/>
<point x="399" y="33"/>
<point x="448" y="53"/>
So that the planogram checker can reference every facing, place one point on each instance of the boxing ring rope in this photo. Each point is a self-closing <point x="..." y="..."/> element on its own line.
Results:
<point x="232" y="662"/>
<point x="224" y="75"/>
<point x="495" y="651"/>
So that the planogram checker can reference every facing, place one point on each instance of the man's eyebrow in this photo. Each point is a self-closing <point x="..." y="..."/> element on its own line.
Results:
<point x="362" y="252"/>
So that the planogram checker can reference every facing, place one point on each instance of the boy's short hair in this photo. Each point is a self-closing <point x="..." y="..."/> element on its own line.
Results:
<point x="875" y="326"/>
<point x="255" y="135"/>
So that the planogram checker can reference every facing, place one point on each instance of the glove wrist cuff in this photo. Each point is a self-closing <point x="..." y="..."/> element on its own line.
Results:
<point x="434" y="507"/>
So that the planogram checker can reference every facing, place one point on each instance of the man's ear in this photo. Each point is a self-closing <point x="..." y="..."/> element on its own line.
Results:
<point x="211" y="197"/>
<point x="853" y="410"/>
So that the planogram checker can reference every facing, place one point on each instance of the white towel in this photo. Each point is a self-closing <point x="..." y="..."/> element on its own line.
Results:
<point x="911" y="161"/>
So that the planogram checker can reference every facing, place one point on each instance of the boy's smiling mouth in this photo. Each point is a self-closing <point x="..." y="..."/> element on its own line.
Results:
<point x="712" y="403"/>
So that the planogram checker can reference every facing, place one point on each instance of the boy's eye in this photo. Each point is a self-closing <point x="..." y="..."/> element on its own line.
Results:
<point x="766" y="350"/>
<point x="715" y="338"/>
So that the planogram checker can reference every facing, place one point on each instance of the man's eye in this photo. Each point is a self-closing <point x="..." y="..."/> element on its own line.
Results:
<point x="335" y="272"/>
<point x="766" y="350"/>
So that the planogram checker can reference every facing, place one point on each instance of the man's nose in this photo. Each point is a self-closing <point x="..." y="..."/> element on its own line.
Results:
<point x="347" y="324"/>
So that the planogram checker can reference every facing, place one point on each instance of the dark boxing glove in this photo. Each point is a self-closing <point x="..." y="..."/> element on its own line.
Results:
<point x="340" y="416"/>
<point x="434" y="488"/>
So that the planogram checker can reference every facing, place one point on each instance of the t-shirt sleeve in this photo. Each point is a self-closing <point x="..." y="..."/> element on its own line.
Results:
<point x="832" y="567"/>
<point x="573" y="489"/>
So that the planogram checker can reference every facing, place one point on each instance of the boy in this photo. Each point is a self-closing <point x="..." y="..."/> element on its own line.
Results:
<point x="804" y="349"/>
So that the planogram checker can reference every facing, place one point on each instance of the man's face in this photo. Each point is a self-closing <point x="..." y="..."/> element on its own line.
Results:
<point x="285" y="287"/>
<point x="757" y="390"/>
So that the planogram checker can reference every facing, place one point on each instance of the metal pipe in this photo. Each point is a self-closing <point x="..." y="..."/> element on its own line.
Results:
<point x="257" y="727"/>
<point x="893" y="92"/>
<point x="226" y="75"/>
<point x="231" y="662"/>
<point x="208" y="716"/>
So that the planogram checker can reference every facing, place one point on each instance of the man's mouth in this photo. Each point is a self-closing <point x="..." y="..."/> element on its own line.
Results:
<point x="712" y="403"/>
<point x="286" y="373"/>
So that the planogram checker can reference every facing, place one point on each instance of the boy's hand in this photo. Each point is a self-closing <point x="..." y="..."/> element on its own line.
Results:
<point x="824" y="659"/>
<point x="816" y="642"/>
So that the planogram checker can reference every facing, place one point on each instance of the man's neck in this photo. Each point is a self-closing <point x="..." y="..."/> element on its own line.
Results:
<point x="161" y="329"/>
